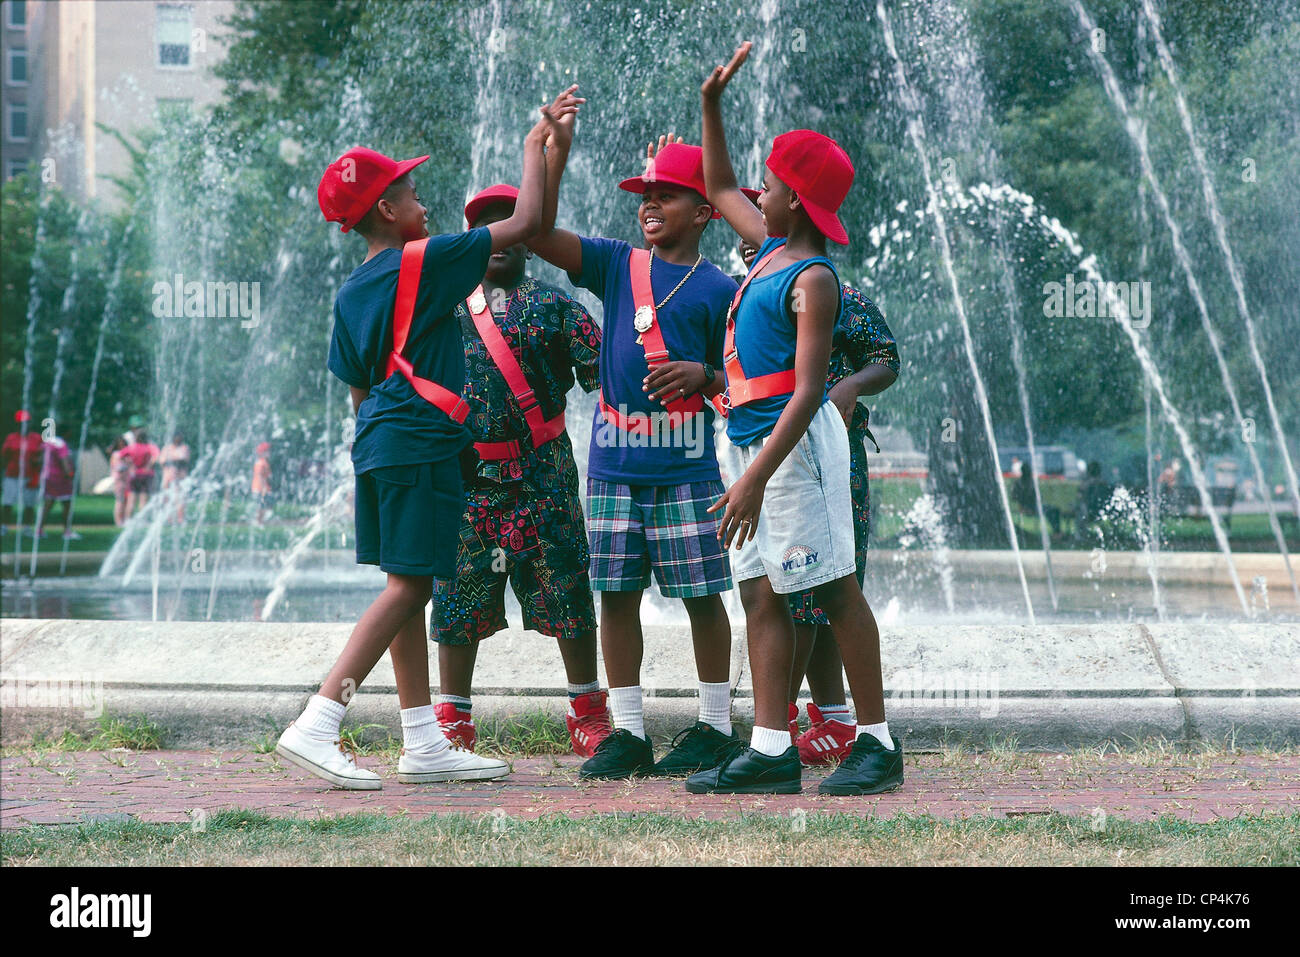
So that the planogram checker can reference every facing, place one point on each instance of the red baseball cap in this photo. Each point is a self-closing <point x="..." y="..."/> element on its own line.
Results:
<point x="22" y="415"/>
<point x="500" y="193"/>
<point x="263" y="448"/>
<point x="354" y="182"/>
<point x="679" y="164"/>
<point x="819" y="170"/>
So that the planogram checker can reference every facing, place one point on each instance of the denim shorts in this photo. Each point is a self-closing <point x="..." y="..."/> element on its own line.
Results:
<point x="804" y="537"/>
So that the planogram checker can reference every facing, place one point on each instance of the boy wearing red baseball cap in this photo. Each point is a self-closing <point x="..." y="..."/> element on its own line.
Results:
<point x="525" y="342"/>
<point x="784" y="510"/>
<point x="652" y="468"/>
<point x="864" y="361"/>
<point x="397" y="345"/>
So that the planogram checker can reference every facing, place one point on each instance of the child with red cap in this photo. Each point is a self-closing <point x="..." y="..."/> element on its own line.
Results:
<point x="525" y="342"/>
<point x="652" y="469"/>
<point x="397" y="345"/>
<point x="864" y="361"/>
<point x="22" y="465"/>
<point x="783" y="511"/>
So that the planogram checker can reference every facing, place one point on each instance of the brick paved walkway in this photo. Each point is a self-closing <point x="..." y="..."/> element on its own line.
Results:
<point x="158" y="786"/>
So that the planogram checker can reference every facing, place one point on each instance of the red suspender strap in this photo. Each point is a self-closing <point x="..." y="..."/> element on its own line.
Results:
<point x="542" y="430"/>
<point x="408" y="284"/>
<point x="741" y="390"/>
<point x="656" y="352"/>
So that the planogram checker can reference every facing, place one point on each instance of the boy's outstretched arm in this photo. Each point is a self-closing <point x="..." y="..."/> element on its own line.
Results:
<point x="719" y="176"/>
<point x="559" y="247"/>
<point x="527" y="217"/>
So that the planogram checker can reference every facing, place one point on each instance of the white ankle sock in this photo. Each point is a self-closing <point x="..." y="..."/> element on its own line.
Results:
<point x="878" y="731"/>
<point x="576" y="690"/>
<point x="770" y="741"/>
<point x="321" y="718"/>
<point x="836" y="712"/>
<point x="715" y="704"/>
<point x="421" y="731"/>
<point x="462" y="704"/>
<point x="625" y="708"/>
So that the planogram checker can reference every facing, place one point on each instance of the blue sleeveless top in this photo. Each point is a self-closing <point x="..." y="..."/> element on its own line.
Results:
<point x="765" y="341"/>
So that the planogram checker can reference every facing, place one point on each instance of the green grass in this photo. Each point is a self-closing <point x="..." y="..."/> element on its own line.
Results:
<point x="134" y="732"/>
<point x="814" y="838"/>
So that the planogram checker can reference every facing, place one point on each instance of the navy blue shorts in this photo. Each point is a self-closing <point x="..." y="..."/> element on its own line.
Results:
<point x="408" y="518"/>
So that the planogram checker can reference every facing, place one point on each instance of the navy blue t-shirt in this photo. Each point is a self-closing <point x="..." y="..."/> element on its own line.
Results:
<point x="693" y="323"/>
<point x="395" y="426"/>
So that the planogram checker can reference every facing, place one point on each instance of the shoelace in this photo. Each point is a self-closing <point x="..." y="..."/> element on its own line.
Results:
<point x="684" y="735"/>
<point x="729" y="752"/>
<point x="348" y="753"/>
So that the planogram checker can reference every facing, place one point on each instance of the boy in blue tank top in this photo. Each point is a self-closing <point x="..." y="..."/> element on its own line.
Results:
<point x="652" y="472"/>
<point x="785" y="510"/>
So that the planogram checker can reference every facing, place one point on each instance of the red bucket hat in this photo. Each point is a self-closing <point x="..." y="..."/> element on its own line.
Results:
<point x="500" y="193"/>
<point x="354" y="182"/>
<point x="819" y="170"/>
<point x="678" y="164"/>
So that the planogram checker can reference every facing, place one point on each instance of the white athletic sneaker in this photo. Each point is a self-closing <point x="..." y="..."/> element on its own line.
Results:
<point x="326" y="759"/>
<point x="449" y="764"/>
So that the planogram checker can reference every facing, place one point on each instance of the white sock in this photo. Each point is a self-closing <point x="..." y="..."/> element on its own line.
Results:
<point x="421" y="731"/>
<point x="878" y="731"/>
<point x="575" y="690"/>
<point x="715" y="704"/>
<point x="836" y="712"/>
<point x="321" y="718"/>
<point x="625" y="709"/>
<point x="769" y="741"/>
<point x="462" y="704"/>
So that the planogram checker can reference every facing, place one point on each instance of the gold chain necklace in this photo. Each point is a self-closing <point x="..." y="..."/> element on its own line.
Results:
<point x="650" y="269"/>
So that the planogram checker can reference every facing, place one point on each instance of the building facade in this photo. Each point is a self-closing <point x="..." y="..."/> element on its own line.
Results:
<point x="96" y="64"/>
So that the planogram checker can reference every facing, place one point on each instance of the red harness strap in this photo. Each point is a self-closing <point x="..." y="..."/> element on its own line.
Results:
<point x="541" y="429"/>
<point x="656" y="353"/>
<point x="741" y="390"/>
<point x="408" y="284"/>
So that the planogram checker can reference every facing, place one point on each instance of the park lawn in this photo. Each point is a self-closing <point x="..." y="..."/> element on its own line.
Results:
<point x="240" y="838"/>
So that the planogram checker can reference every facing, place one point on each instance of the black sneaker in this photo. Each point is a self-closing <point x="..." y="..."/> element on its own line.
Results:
<point x="694" y="749"/>
<point x="868" y="769"/>
<point x="742" y="770"/>
<point x="621" y="755"/>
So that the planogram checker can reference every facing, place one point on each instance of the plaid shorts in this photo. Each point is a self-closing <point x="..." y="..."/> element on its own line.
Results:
<point x="803" y="605"/>
<point x="634" y="528"/>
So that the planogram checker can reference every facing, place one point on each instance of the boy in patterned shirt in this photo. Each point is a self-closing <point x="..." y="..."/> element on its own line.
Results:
<point x="523" y="518"/>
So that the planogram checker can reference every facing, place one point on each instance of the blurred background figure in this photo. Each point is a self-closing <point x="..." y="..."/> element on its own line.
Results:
<point x="142" y="456"/>
<point x="175" y="461"/>
<point x="261" y="485"/>
<point x="57" y="466"/>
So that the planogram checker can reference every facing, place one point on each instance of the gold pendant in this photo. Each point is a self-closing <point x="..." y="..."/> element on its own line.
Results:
<point x="640" y="341"/>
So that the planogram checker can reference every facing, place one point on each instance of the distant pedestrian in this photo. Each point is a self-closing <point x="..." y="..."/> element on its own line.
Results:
<point x="175" y="461"/>
<point x="22" y="470"/>
<point x="119" y="466"/>
<point x="261" y="484"/>
<point x="58" y="471"/>
<point x="143" y="456"/>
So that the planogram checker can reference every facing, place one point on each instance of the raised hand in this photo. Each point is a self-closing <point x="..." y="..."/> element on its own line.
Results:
<point x="564" y="108"/>
<point x="651" y="150"/>
<point x="717" y="81"/>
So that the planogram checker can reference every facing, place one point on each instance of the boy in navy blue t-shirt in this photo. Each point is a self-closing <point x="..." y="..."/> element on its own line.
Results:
<point x="652" y="469"/>
<point x="396" y="343"/>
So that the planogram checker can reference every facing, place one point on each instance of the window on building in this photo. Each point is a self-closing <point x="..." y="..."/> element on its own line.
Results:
<point x="15" y="168"/>
<point x="16" y="14"/>
<point x="16" y="125"/>
<point x="173" y="35"/>
<point x="16" y="67"/>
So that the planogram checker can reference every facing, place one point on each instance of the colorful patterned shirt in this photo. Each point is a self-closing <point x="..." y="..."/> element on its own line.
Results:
<point x="861" y="338"/>
<point x="553" y="337"/>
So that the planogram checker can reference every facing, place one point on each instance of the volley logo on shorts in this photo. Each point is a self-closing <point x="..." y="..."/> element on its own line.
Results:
<point x="798" y="558"/>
